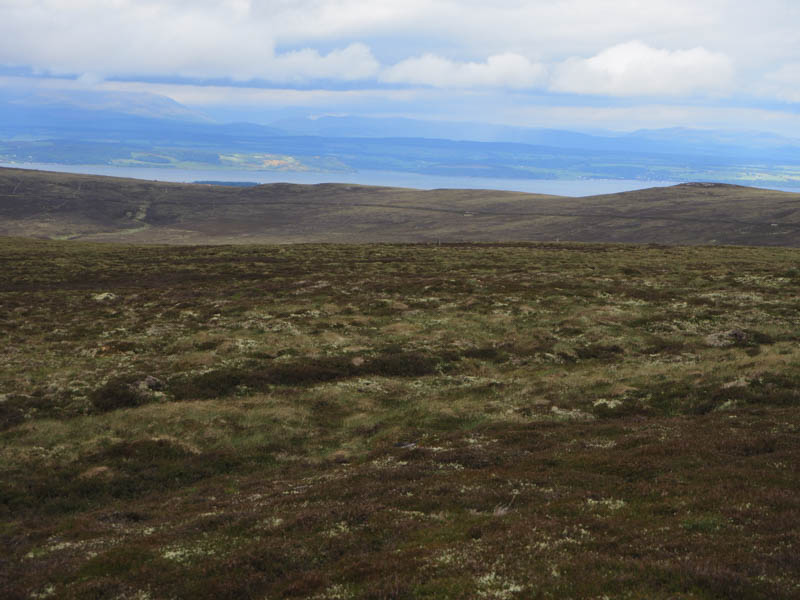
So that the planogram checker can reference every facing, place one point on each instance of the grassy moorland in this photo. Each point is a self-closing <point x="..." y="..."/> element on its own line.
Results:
<point x="91" y="208"/>
<point x="399" y="421"/>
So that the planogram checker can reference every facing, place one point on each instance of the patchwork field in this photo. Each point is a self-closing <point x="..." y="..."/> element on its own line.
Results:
<point x="399" y="421"/>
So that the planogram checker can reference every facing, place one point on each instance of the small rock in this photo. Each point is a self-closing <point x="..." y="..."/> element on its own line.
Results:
<point x="605" y="403"/>
<point x="721" y="339"/>
<point x="406" y="445"/>
<point x="574" y="414"/>
<point x="104" y="297"/>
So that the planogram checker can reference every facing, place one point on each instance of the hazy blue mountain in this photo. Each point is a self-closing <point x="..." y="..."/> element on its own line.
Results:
<point x="660" y="141"/>
<point x="140" y="104"/>
<point x="149" y="130"/>
<point x="374" y="127"/>
<point x="33" y="113"/>
<point x="715" y="138"/>
<point x="112" y="117"/>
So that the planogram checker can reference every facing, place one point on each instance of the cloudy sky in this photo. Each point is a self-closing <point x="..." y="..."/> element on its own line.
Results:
<point x="581" y="64"/>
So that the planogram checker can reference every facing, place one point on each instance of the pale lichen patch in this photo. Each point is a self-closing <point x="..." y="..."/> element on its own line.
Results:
<point x="494" y="586"/>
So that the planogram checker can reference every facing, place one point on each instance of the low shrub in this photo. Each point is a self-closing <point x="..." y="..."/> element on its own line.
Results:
<point x="118" y="393"/>
<point x="402" y="364"/>
<point x="599" y="351"/>
<point x="11" y="413"/>
<point x="307" y="372"/>
<point x="204" y="386"/>
<point x="222" y="382"/>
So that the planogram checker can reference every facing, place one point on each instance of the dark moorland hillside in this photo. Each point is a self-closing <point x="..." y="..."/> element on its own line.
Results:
<point x="92" y="208"/>
<point x="418" y="422"/>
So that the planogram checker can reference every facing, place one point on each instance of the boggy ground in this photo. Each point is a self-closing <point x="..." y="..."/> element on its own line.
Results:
<point x="385" y="421"/>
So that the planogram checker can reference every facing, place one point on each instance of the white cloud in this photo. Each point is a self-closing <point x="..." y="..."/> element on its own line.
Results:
<point x="636" y="69"/>
<point x="299" y="20"/>
<point x="687" y="46"/>
<point x="221" y="38"/>
<point x="162" y="38"/>
<point x="123" y="37"/>
<point x="751" y="33"/>
<point x="501" y="70"/>
<point x="783" y="83"/>
<point x="348" y="64"/>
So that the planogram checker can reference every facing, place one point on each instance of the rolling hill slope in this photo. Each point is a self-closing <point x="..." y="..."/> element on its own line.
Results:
<point x="94" y="208"/>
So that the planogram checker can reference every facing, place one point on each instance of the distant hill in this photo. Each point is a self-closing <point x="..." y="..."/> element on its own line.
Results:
<point x="65" y="206"/>
<point x="677" y="140"/>
<point x="112" y="117"/>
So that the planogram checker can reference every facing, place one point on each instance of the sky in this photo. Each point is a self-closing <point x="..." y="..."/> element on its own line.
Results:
<point x="574" y="64"/>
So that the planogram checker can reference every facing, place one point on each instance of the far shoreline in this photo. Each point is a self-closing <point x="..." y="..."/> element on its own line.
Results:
<point x="558" y="187"/>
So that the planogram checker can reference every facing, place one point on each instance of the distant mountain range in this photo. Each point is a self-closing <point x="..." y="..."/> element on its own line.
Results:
<point x="84" y="127"/>
<point x="676" y="139"/>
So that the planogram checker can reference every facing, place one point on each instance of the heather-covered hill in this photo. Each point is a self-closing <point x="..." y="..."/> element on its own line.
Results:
<point x="93" y="208"/>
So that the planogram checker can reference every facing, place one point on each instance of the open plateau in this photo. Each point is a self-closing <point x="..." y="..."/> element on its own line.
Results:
<point x="347" y="392"/>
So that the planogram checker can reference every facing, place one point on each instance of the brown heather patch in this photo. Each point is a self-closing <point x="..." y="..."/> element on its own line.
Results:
<point x="461" y="421"/>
